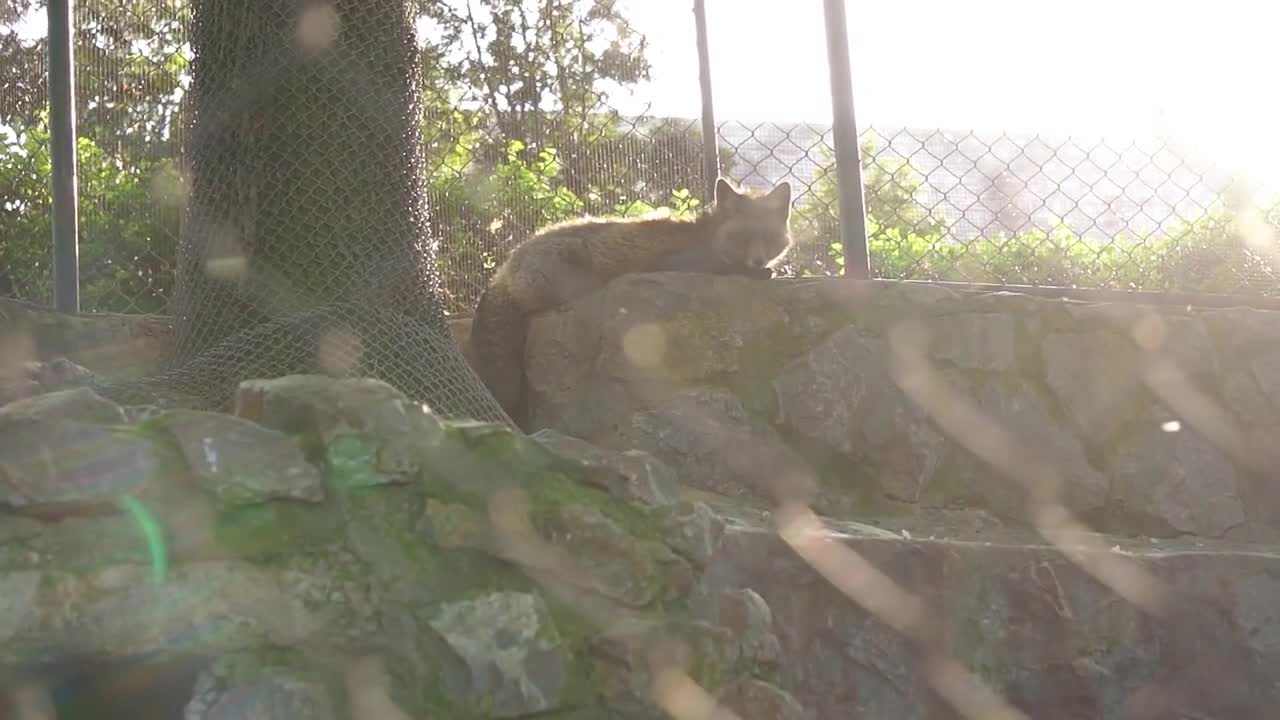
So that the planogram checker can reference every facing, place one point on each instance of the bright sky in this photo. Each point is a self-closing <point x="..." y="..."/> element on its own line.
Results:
<point x="1200" y="73"/>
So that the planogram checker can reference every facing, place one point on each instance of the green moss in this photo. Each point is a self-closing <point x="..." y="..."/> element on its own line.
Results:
<point x="479" y="460"/>
<point x="460" y="475"/>
<point x="555" y="491"/>
<point x="280" y="526"/>
<point x="450" y="525"/>
<point x="351" y="461"/>
<point x="392" y="508"/>
<point x="463" y="574"/>
<point x="713" y="653"/>
<point x="581" y="672"/>
<point x="475" y="460"/>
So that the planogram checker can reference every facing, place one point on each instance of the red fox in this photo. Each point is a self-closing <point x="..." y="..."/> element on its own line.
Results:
<point x="743" y="233"/>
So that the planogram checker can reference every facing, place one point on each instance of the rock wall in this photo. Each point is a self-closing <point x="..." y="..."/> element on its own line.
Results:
<point x="333" y="551"/>
<point x="112" y="344"/>
<point x="902" y="398"/>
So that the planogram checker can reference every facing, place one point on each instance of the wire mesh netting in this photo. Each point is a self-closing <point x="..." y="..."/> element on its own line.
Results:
<point x="1026" y="209"/>
<point x="522" y="127"/>
<point x="305" y="245"/>
<point x="130" y="76"/>
<point x="308" y="196"/>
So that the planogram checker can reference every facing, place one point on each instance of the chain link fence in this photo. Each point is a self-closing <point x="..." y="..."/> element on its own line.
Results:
<point x="996" y="208"/>
<point x="131" y="62"/>
<point x="942" y="205"/>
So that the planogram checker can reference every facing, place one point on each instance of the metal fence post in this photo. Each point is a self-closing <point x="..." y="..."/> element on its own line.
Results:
<point x="710" y="145"/>
<point x="62" y="153"/>
<point x="853" y="219"/>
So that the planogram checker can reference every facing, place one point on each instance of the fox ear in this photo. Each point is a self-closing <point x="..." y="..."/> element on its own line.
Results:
<point x="780" y="198"/>
<point x="725" y="194"/>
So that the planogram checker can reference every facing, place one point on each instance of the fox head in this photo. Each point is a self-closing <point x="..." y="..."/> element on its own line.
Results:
<point x="752" y="231"/>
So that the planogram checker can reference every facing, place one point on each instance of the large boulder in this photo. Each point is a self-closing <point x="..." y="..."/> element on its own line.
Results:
<point x="1023" y="617"/>
<point x="1138" y="419"/>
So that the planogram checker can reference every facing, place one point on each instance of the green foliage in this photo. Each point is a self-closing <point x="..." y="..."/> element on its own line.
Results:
<point x="518" y="135"/>
<point x="519" y="59"/>
<point x="517" y="131"/>
<point x="906" y="241"/>
<point x="483" y="212"/>
<point x="127" y="237"/>
<point x="889" y="191"/>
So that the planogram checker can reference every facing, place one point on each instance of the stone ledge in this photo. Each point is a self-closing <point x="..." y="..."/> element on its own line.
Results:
<point x="1155" y="419"/>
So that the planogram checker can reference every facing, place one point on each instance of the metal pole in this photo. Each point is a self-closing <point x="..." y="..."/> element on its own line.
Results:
<point x="853" y="218"/>
<point x="62" y="153"/>
<point x="710" y="145"/>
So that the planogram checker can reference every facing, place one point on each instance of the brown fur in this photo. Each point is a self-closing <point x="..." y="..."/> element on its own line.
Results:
<point x="743" y="233"/>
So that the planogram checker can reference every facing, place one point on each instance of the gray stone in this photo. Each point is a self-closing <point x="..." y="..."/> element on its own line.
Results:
<point x="843" y="395"/>
<point x="705" y="652"/>
<point x="977" y="341"/>
<point x="1031" y="622"/>
<point x="369" y="689"/>
<point x="592" y="365"/>
<point x="711" y="441"/>
<point x="1182" y="340"/>
<point x="515" y="662"/>
<point x="1246" y="401"/>
<point x="924" y="294"/>
<point x="200" y="608"/>
<point x="1041" y="445"/>
<point x="54" y="465"/>
<point x="274" y="695"/>
<point x="1265" y="368"/>
<point x="745" y="614"/>
<point x="59" y="373"/>
<point x="1156" y="333"/>
<point x="1118" y="317"/>
<point x="1259" y="614"/>
<point x="560" y="371"/>
<point x="80" y="404"/>
<point x="19" y="602"/>
<point x="34" y="378"/>
<point x="241" y="462"/>
<point x="372" y="432"/>
<point x="1180" y="479"/>
<point x="615" y="563"/>
<point x="1094" y="376"/>
<point x="141" y="413"/>
<point x="1098" y="376"/>
<point x="55" y="450"/>
<point x="755" y="699"/>
<point x="692" y="529"/>
<point x="14" y="389"/>
<point x="1256" y="463"/>
<point x="1242" y="330"/>
<point x="16" y="528"/>
<point x="684" y="328"/>
<point x="629" y="475"/>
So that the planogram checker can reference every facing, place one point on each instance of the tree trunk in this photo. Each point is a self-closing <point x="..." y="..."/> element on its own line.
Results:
<point x="305" y="246"/>
<point x="304" y="166"/>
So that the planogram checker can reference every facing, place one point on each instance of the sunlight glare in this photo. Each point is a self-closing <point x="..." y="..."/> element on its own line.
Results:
<point x="1127" y="69"/>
